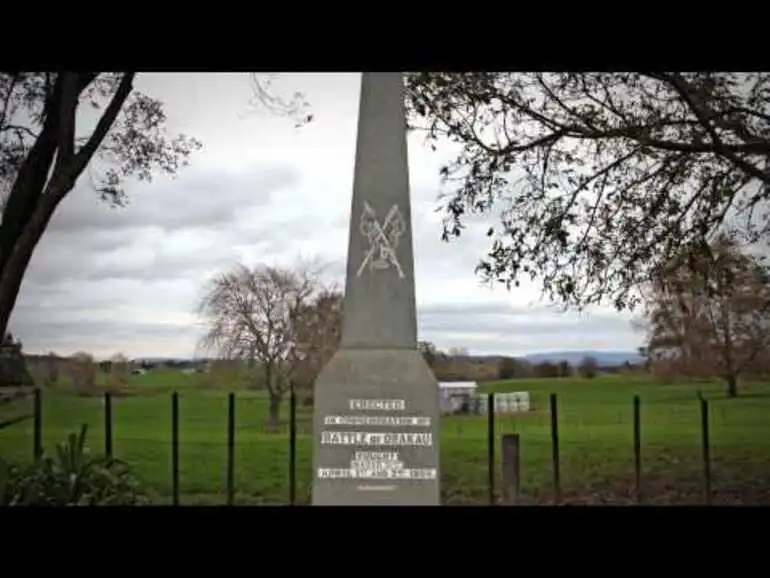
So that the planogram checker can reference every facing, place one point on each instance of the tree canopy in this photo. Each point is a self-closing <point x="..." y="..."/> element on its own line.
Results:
<point x="598" y="178"/>
<point x="58" y="127"/>
<point x="708" y="313"/>
<point x="46" y="144"/>
<point x="282" y="318"/>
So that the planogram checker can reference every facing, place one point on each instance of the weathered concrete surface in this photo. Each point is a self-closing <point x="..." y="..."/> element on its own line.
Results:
<point x="376" y="401"/>
<point x="376" y="374"/>
<point x="379" y="303"/>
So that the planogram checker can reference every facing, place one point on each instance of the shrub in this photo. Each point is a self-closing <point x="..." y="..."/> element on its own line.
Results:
<point x="82" y="371"/>
<point x="589" y="367"/>
<point x="72" y="478"/>
<point x="118" y="377"/>
<point x="51" y="370"/>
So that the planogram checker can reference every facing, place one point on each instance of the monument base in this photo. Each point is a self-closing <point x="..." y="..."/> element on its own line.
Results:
<point x="376" y="430"/>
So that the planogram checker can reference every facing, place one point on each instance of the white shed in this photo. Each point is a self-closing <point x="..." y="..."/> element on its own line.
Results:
<point x="456" y="396"/>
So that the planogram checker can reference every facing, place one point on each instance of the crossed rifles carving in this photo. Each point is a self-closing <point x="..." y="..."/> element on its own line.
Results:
<point x="383" y="239"/>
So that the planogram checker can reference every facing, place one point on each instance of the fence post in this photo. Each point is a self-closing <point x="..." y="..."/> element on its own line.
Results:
<point x="511" y="451"/>
<point x="292" y="447"/>
<point x="175" y="448"/>
<point x="638" y="449"/>
<point x="555" y="449"/>
<point x="231" y="449"/>
<point x="108" y="425"/>
<point x="37" y="425"/>
<point x="491" y="448"/>
<point x="704" y="418"/>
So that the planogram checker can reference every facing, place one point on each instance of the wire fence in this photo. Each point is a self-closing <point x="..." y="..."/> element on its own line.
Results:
<point x="554" y="454"/>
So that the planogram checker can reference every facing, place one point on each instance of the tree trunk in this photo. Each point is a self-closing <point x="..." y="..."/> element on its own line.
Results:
<point x="275" y="397"/>
<point x="732" y="385"/>
<point x="31" y="202"/>
<point x="15" y="266"/>
<point x="275" y="406"/>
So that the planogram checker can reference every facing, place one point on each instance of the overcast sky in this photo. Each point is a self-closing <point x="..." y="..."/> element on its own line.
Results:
<point x="127" y="280"/>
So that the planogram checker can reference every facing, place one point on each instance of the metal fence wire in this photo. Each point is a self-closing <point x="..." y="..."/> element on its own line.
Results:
<point x="550" y="454"/>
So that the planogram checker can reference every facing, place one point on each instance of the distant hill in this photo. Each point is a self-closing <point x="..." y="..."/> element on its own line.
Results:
<point x="170" y="359"/>
<point x="605" y="358"/>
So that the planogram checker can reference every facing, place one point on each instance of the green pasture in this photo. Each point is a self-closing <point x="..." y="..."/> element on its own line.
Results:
<point x="595" y="427"/>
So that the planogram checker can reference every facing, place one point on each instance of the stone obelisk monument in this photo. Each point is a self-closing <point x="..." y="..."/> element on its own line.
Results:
<point x="376" y="401"/>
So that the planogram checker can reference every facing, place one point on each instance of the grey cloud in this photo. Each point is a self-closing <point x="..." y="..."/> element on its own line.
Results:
<point x="74" y="299"/>
<point x="334" y="272"/>
<point x="61" y="255"/>
<point x="87" y="239"/>
<point x="99" y="316"/>
<point x="471" y="310"/>
<point x="193" y="199"/>
<point x="109" y="329"/>
<point x="507" y="326"/>
<point x="96" y="267"/>
<point x="60" y="258"/>
<point x="90" y="241"/>
<point x="96" y="333"/>
<point x="517" y="344"/>
<point x="164" y="266"/>
<point x="457" y="256"/>
<point x="37" y="303"/>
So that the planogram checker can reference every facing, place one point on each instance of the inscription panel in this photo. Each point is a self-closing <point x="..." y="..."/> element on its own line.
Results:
<point x="385" y="463"/>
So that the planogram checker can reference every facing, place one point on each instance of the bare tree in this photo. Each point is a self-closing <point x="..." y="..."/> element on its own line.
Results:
<point x="226" y="371"/>
<point x="51" y="369"/>
<point x="317" y="329"/>
<point x="507" y="368"/>
<point x="264" y="97"/>
<point x="118" y="370"/>
<point x="458" y="352"/>
<point x="588" y="367"/>
<point x="597" y="178"/>
<point x="82" y="371"/>
<point x="250" y="314"/>
<point x="428" y="351"/>
<point x="545" y="369"/>
<point x="708" y="311"/>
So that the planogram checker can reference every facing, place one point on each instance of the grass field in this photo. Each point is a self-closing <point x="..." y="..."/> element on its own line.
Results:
<point x="595" y="425"/>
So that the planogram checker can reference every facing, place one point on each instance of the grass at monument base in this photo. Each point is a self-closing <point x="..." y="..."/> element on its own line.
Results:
<point x="595" y="431"/>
